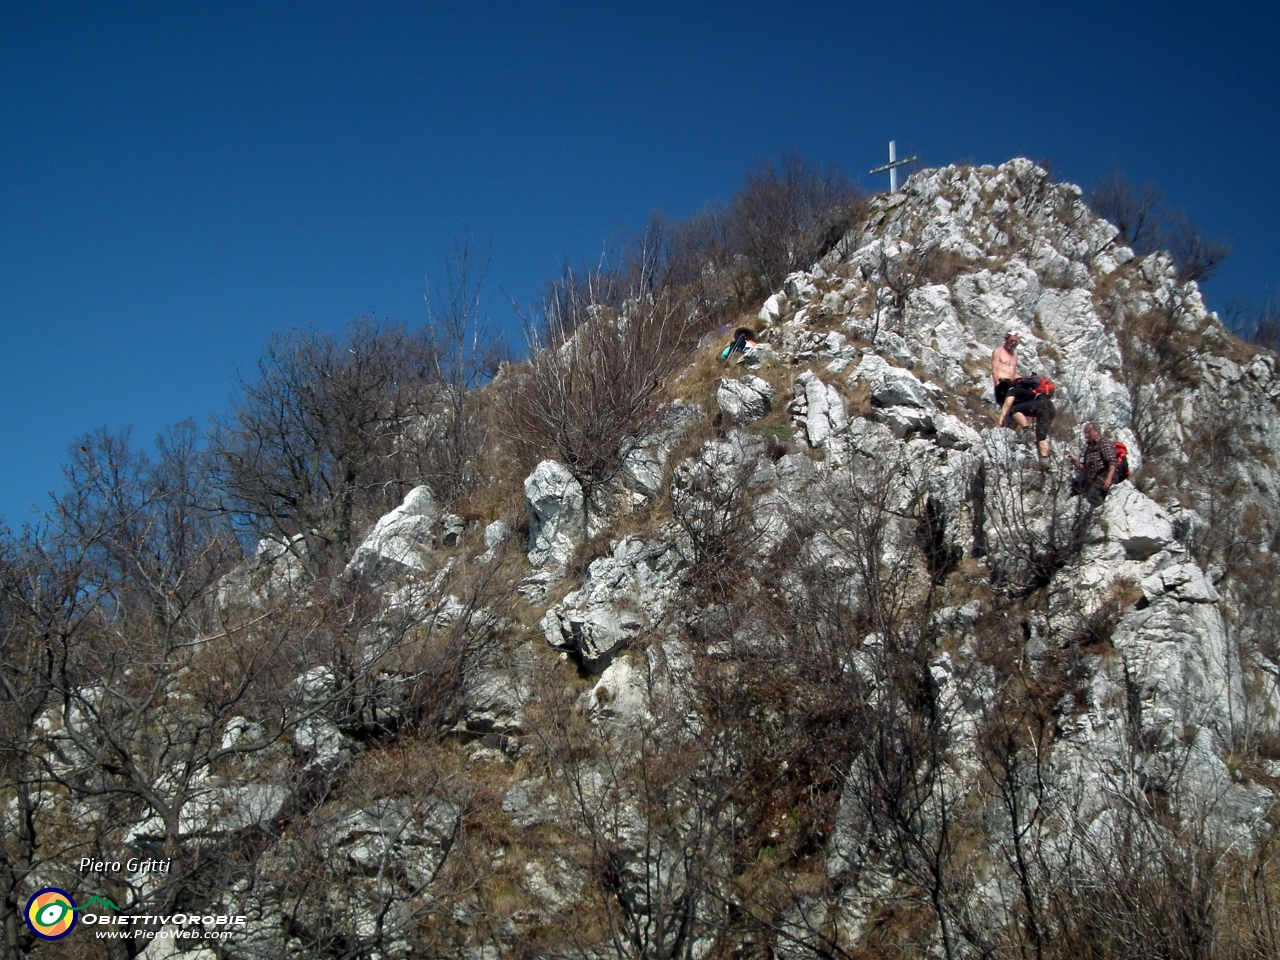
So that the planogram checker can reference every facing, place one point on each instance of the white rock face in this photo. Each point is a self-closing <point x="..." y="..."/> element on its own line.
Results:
<point x="622" y="594"/>
<point x="745" y="399"/>
<point x="931" y="318"/>
<point x="1072" y="326"/>
<point x="557" y="514"/>
<point x="819" y="409"/>
<point x="1185" y="582"/>
<point x="621" y="693"/>
<point x="990" y="303"/>
<point x="1136" y="522"/>
<point x="401" y="540"/>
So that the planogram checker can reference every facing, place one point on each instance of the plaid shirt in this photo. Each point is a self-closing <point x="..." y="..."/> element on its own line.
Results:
<point x="1099" y="457"/>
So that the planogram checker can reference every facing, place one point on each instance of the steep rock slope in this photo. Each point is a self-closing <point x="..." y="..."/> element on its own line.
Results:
<point x="833" y="665"/>
<point x="884" y="348"/>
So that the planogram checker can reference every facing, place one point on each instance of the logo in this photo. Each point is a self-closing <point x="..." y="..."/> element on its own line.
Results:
<point x="51" y="913"/>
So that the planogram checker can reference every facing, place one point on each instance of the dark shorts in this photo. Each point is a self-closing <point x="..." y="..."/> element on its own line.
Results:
<point x="1002" y="391"/>
<point x="1041" y="408"/>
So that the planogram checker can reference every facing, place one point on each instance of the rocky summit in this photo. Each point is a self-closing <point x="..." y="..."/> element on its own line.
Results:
<point x="823" y="663"/>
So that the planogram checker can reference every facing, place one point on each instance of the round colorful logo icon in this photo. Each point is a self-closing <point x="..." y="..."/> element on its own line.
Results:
<point x="51" y="913"/>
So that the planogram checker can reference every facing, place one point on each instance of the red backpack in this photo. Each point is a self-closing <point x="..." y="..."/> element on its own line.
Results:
<point x="1039" y="386"/>
<point x="1122" y="462"/>
<point x="1044" y="388"/>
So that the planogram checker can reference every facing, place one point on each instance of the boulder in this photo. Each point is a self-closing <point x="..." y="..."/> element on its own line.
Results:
<point x="753" y="358"/>
<point x="623" y="594"/>
<point x="495" y="534"/>
<point x="771" y="312"/>
<point x="557" y="514"/>
<point x="800" y="287"/>
<point x="905" y="421"/>
<point x="745" y="399"/>
<point x="620" y="695"/>
<point x="493" y="697"/>
<point x="1177" y="665"/>
<point x="1136" y="522"/>
<point x="401" y="541"/>
<point x="414" y="833"/>
<point x="953" y="434"/>
<point x="891" y="386"/>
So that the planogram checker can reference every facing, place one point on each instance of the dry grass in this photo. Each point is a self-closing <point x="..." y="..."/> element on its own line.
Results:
<point x="857" y="398"/>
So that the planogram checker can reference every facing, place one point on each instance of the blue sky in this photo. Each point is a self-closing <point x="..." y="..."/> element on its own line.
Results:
<point x="178" y="180"/>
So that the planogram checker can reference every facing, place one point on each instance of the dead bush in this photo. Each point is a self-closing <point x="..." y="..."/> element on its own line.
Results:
<point x="785" y="217"/>
<point x="1146" y="225"/>
<point x="315" y="446"/>
<point x="591" y="391"/>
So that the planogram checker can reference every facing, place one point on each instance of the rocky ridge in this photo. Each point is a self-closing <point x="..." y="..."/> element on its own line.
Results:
<point x="870" y="389"/>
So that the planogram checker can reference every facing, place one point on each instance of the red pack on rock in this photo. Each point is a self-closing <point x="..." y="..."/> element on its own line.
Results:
<point x="1122" y="462"/>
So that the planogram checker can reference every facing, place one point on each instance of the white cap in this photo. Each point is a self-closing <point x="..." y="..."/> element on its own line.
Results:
<point x="1012" y="332"/>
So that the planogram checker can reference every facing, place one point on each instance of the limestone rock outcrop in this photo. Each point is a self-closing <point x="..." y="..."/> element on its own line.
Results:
<point x="557" y="514"/>
<point x="401" y="540"/>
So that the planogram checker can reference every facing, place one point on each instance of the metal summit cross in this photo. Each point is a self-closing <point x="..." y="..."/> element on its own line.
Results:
<point x="893" y="165"/>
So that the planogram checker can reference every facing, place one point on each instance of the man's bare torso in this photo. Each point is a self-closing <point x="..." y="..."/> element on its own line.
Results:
<point x="1004" y="364"/>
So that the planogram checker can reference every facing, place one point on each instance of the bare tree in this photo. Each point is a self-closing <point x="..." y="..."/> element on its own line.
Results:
<point x="465" y="354"/>
<point x="1195" y="256"/>
<point x="590" y="392"/>
<point x="1259" y="325"/>
<point x="786" y="216"/>
<point x="316" y="442"/>
<point x="1147" y="226"/>
<point x="1134" y="211"/>
<point x="179" y="724"/>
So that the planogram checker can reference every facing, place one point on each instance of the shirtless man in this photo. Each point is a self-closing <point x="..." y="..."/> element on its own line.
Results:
<point x="1004" y="370"/>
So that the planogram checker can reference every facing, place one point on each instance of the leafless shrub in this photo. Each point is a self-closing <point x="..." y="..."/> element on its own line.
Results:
<point x="689" y="257"/>
<point x="1036" y="528"/>
<point x="590" y="392"/>
<point x="1259" y="325"/>
<point x="1196" y="257"/>
<point x="1134" y="211"/>
<point x="786" y="216"/>
<point x="1013" y="746"/>
<point x="712" y="503"/>
<point x="1214" y="479"/>
<point x="649" y="818"/>
<point x="1147" y="226"/>
<point x="1158" y="349"/>
<point x="397" y="818"/>
<point x="903" y="273"/>
<point x="1140" y="888"/>
<point x="1250" y="921"/>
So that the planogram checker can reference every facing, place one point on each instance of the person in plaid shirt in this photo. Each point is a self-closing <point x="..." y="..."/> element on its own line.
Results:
<point x="1096" y="470"/>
